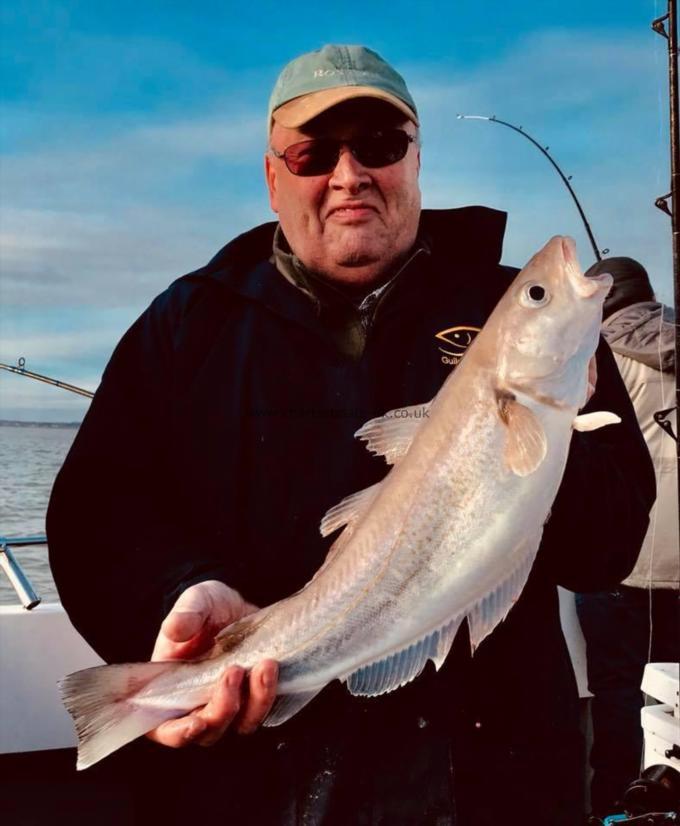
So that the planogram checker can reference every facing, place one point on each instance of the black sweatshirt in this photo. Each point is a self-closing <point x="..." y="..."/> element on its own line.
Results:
<point x="220" y="435"/>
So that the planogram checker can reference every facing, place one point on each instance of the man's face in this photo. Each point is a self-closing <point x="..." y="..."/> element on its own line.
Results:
<point x="353" y="224"/>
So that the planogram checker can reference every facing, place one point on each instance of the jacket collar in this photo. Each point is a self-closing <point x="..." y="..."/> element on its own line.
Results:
<point x="472" y="237"/>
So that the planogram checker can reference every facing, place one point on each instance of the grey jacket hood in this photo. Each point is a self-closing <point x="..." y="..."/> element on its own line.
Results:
<point x="644" y="332"/>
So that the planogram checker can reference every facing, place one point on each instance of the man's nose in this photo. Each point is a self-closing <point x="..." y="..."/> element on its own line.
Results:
<point x="349" y="173"/>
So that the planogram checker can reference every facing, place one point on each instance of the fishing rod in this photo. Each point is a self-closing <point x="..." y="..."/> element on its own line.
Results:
<point x="20" y="370"/>
<point x="565" y="179"/>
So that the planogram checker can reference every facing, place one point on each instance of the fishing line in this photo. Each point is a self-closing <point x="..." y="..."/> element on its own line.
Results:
<point x="656" y="460"/>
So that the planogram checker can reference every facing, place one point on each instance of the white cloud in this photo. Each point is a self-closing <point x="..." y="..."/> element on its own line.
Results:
<point x="115" y="219"/>
<point x="231" y="139"/>
<point x="68" y="346"/>
<point x="105" y="259"/>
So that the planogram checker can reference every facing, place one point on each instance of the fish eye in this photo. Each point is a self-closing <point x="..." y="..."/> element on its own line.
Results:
<point x="534" y="295"/>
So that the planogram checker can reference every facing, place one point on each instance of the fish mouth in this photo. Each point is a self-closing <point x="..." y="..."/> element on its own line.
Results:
<point x="595" y="286"/>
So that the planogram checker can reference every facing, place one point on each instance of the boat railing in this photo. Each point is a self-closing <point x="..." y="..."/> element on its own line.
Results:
<point x="13" y="570"/>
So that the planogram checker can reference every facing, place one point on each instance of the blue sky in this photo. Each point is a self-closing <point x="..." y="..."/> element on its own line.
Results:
<point x="132" y="137"/>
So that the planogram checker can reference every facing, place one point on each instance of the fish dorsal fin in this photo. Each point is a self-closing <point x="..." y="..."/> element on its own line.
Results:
<point x="391" y="435"/>
<point x="494" y="607"/>
<point x="400" y="668"/>
<point x="591" y="421"/>
<point x="348" y="510"/>
<point x="525" y="441"/>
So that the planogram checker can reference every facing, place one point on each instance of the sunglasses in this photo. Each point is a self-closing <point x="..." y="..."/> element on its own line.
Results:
<point x="319" y="156"/>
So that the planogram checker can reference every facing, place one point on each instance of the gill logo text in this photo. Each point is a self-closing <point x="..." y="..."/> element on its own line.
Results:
<point x="456" y="340"/>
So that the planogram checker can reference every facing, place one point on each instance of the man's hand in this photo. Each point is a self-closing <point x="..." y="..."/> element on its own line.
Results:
<point x="188" y="631"/>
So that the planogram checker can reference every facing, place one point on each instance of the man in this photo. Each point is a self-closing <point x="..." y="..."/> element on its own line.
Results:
<point x="222" y="432"/>
<point x="637" y="622"/>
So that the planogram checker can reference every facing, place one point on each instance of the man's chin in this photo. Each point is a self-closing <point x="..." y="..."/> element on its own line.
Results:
<point x="358" y="259"/>
<point x="361" y="253"/>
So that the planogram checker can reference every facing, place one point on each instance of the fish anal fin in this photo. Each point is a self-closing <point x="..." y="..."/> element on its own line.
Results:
<point x="446" y="637"/>
<point x="348" y="510"/>
<point x="287" y="705"/>
<point x="525" y="440"/>
<point x="391" y="435"/>
<point x="400" y="668"/>
<point x="494" y="607"/>
<point x="593" y="421"/>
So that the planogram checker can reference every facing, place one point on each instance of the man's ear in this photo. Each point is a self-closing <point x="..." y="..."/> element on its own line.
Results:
<point x="270" y="176"/>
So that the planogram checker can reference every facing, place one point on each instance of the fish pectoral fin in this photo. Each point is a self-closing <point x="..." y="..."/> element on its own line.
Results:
<point x="287" y="705"/>
<point x="348" y="510"/>
<point x="400" y="668"/>
<point x="592" y="421"/>
<point x="494" y="607"/>
<point x="391" y="435"/>
<point x="525" y="442"/>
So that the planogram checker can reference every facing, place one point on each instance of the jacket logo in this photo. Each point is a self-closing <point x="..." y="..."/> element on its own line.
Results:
<point x="456" y="340"/>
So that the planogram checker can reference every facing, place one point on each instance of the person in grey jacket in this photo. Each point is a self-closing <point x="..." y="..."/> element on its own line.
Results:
<point x="637" y="622"/>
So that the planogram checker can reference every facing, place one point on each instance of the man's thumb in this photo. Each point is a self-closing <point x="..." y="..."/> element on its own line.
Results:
<point x="181" y="626"/>
<point x="188" y="616"/>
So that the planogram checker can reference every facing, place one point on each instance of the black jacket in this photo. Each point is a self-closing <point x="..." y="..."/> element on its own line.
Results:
<point x="220" y="435"/>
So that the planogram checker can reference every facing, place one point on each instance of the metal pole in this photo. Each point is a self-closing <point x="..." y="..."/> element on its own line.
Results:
<point x="15" y="574"/>
<point x="675" y="193"/>
<point x="671" y="35"/>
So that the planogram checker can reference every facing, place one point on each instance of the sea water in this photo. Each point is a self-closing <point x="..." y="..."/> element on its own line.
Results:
<point x="30" y="458"/>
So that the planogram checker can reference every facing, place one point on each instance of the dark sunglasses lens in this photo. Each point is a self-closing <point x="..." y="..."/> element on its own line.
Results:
<point x="381" y="149"/>
<point x="319" y="156"/>
<point x="315" y="157"/>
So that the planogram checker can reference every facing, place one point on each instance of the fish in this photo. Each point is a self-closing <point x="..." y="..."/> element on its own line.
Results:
<point x="449" y="534"/>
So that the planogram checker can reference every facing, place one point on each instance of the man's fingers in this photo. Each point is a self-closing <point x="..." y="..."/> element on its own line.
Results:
<point x="224" y="705"/>
<point x="206" y="725"/>
<point x="178" y="733"/>
<point x="261" y="696"/>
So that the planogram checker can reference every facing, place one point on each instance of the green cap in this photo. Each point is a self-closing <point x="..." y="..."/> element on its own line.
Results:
<point x="319" y="80"/>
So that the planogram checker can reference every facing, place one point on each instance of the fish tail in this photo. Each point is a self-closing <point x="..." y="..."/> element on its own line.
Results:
<point x="101" y="701"/>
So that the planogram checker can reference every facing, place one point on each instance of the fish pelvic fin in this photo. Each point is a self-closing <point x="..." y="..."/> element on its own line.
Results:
<point x="400" y="668"/>
<point x="391" y="435"/>
<point x="525" y="441"/>
<point x="592" y="421"/>
<point x="101" y="702"/>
